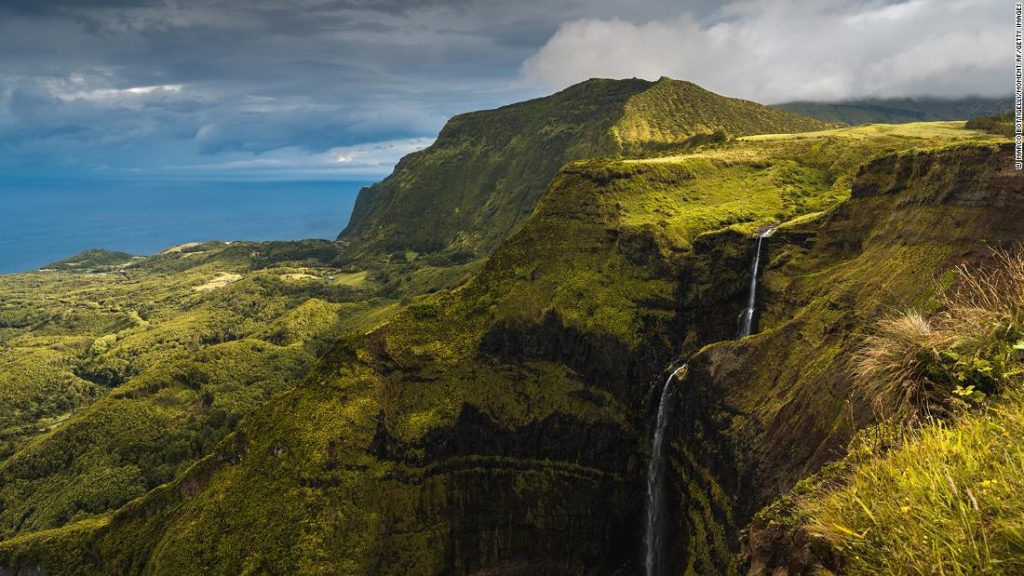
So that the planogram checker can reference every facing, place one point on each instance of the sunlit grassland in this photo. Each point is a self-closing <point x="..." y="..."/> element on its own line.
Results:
<point x="766" y="179"/>
<point x="116" y="372"/>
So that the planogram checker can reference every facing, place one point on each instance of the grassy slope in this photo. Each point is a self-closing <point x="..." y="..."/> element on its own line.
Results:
<point x="118" y="375"/>
<point x="486" y="171"/>
<point x="946" y="502"/>
<point x="483" y="424"/>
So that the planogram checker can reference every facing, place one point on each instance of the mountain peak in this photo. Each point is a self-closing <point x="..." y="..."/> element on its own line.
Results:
<point x="487" y="169"/>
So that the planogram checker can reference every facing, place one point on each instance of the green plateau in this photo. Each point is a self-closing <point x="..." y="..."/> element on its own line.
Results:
<point x="467" y="380"/>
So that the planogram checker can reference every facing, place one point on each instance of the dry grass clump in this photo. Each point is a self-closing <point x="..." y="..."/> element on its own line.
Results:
<point x="913" y="367"/>
<point x="897" y="366"/>
<point x="989" y="302"/>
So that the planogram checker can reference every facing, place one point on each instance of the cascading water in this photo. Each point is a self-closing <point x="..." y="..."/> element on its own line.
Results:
<point x="747" y="316"/>
<point x="655" y="488"/>
<point x="655" y="483"/>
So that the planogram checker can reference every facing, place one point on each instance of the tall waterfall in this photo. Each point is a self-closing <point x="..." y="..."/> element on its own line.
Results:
<point x="655" y="485"/>
<point x="655" y="473"/>
<point x="747" y="317"/>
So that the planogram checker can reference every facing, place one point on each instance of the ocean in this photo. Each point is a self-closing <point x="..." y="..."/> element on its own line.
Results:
<point x="41" y="222"/>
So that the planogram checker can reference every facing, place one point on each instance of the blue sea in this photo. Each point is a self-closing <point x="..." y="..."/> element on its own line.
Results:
<point x="41" y="222"/>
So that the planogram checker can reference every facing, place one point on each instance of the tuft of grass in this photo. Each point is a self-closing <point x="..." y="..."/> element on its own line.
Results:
<point x="914" y="367"/>
<point x="989" y="302"/>
<point x="900" y="370"/>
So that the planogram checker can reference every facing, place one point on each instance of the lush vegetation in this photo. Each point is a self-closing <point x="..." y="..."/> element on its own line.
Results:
<point x="485" y="173"/>
<point x="119" y="372"/>
<point x="331" y="403"/>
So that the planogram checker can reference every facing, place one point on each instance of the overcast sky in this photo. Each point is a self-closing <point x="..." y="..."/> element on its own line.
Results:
<point x="343" y="88"/>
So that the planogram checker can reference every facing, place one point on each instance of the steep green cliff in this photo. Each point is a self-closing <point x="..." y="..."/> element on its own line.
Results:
<point x="502" y="427"/>
<point x="485" y="173"/>
<point x="766" y="411"/>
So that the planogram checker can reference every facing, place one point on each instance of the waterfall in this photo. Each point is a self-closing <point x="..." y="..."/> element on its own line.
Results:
<point x="655" y="488"/>
<point x="747" y="316"/>
<point x="655" y="483"/>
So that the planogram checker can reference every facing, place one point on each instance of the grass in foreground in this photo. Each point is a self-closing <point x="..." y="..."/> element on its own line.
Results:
<point x="946" y="503"/>
<point x="947" y="499"/>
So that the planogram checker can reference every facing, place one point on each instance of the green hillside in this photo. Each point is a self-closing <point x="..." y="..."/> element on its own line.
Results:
<point x="899" y="110"/>
<point x="117" y="373"/>
<point x="486" y="171"/>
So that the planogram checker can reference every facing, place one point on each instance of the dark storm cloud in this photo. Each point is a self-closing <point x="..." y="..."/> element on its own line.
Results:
<point x="88" y="84"/>
<point x="137" y="86"/>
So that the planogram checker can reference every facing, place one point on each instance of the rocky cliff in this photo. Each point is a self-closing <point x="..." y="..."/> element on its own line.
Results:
<point x="767" y="411"/>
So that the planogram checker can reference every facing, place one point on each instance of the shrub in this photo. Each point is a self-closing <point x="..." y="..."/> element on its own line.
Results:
<point x="1001" y="124"/>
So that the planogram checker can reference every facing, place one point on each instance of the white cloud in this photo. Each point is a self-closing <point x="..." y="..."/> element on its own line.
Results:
<point x="120" y="94"/>
<point x="363" y="160"/>
<point x="778" y="50"/>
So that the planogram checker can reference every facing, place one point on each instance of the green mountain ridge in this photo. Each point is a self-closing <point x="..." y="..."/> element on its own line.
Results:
<point x="486" y="171"/>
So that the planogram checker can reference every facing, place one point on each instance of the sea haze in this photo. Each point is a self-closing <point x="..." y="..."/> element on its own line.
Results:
<point x="41" y="222"/>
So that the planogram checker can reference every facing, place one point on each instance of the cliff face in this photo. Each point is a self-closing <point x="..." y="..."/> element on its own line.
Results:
<point x="503" y="427"/>
<point x="764" y="412"/>
<point x="485" y="173"/>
